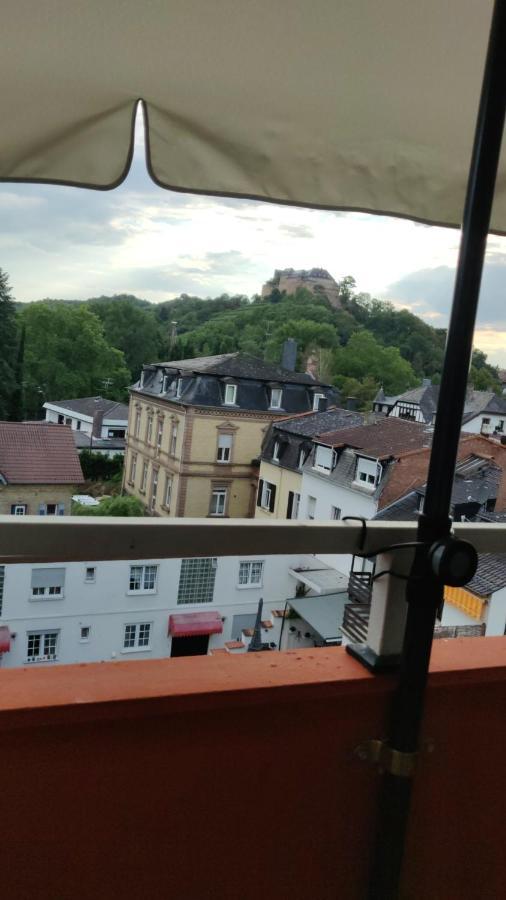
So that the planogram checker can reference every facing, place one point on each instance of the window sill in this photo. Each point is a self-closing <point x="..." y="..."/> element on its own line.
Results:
<point x="218" y="516"/>
<point x="136" y="650"/>
<point x="42" y="599"/>
<point x="245" y="587"/>
<point x="321" y="470"/>
<point x="362" y="486"/>
<point x="42" y="659"/>
<point x="137" y="593"/>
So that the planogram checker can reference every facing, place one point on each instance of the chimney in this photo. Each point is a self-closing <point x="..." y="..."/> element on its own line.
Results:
<point x="323" y="404"/>
<point x="98" y="418"/>
<point x="351" y="403"/>
<point x="289" y="355"/>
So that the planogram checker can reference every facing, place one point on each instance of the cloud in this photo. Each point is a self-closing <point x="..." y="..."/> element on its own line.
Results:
<point x="429" y="292"/>
<point x="297" y="231"/>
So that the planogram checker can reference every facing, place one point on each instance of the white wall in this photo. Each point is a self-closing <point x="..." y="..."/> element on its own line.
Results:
<point x="328" y="494"/>
<point x="496" y="617"/>
<point x="106" y="607"/>
<point x="474" y="426"/>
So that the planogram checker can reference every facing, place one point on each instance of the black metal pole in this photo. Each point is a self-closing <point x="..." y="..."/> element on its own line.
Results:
<point x="424" y="591"/>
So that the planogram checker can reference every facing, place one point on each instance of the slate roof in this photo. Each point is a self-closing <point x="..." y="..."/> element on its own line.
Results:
<point x="240" y="365"/>
<point x="313" y="423"/>
<point x="296" y="433"/>
<point x="476" y="481"/>
<point x="38" y="454"/>
<point x="384" y="438"/>
<point x="426" y="397"/>
<point x="88" y="406"/>
<point x="84" y="441"/>
<point x="490" y="576"/>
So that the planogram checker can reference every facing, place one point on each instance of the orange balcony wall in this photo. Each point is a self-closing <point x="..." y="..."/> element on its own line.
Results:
<point x="234" y="777"/>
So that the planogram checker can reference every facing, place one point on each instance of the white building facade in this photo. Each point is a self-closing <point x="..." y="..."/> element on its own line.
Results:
<point x="97" y="611"/>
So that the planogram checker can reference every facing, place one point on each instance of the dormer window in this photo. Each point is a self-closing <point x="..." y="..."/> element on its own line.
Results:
<point x="325" y="459"/>
<point x="316" y="401"/>
<point x="179" y="387"/>
<point x="230" y="394"/>
<point x="368" y="473"/>
<point x="275" y="451"/>
<point x="165" y="383"/>
<point x="302" y="457"/>
<point x="276" y="398"/>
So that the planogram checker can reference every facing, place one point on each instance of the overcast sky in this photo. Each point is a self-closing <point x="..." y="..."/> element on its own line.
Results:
<point x="72" y="243"/>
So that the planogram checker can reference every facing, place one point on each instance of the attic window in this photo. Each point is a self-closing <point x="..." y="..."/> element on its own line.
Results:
<point x="368" y="473"/>
<point x="230" y="394"/>
<point x="316" y="401"/>
<point x="179" y="387"/>
<point x="276" y="398"/>
<point x="325" y="459"/>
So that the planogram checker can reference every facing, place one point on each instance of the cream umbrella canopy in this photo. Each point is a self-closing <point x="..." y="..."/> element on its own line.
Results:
<point x="342" y="104"/>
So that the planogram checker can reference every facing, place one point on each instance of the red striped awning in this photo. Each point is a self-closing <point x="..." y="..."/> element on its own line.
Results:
<point x="188" y="624"/>
<point x="5" y="639"/>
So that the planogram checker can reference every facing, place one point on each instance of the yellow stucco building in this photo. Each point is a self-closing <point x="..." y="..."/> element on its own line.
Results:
<point x="196" y="428"/>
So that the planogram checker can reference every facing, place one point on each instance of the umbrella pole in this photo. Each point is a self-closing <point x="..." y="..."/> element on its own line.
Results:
<point x="425" y="593"/>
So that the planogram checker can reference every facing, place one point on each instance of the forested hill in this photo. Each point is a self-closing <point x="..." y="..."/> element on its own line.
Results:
<point x="54" y="349"/>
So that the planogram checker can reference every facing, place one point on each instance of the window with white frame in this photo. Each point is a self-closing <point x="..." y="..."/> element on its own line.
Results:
<point x="42" y="646"/>
<point x="137" y="426"/>
<point x="196" y="580"/>
<point x="230" y="394"/>
<point x="275" y="451"/>
<point x="324" y="459"/>
<point x="137" y="636"/>
<point x="154" y="489"/>
<point x="52" y="509"/>
<point x="133" y="467"/>
<point x="167" y="497"/>
<point x="292" y="509"/>
<point x="303" y="455"/>
<point x="179" y="387"/>
<point x="368" y="472"/>
<point x="311" y="507"/>
<point x="251" y="573"/>
<point x="47" y="584"/>
<point x="316" y="401"/>
<point x="142" y="579"/>
<point x="149" y="430"/>
<point x="266" y="497"/>
<point x="224" y="448"/>
<point x="335" y="512"/>
<point x="159" y="433"/>
<point x="166" y="380"/>
<point x="144" y="479"/>
<point x="90" y="574"/>
<point x="218" y="503"/>
<point x="18" y="509"/>
<point x="276" y="398"/>
<point x="173" y="439"/>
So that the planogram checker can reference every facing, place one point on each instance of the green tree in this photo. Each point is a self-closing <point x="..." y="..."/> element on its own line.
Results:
<point x="8" y="347"/>
<point x="364" y="357"/>
<point x="129" y="327"/>
<point x="111" y="506"/>
<point x="66" y="355"/>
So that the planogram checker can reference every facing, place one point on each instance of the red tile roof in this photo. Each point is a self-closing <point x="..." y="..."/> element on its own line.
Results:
<point x="38" y="454"/>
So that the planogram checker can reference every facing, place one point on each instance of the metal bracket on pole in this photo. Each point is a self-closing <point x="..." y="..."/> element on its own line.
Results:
<point x="387" y="759"/>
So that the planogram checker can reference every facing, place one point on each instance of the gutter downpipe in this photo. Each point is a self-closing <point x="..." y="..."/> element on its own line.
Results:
<point x="424" y="592"/>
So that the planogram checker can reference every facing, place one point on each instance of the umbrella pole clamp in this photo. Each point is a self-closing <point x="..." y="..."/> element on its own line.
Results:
<point x="387" y="759"/>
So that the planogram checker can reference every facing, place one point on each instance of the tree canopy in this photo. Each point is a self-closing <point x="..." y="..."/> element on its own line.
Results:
<point x="67" y="355"/>
<point x="9" y="336"/>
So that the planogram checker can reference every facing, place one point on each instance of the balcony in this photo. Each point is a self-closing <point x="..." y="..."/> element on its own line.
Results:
<point x="236" y="776"/>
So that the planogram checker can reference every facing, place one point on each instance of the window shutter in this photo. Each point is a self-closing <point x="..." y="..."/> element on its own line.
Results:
<point x="273" y="498"/>
<point x="61" y="509"/>
<point x="260" y="489"/>
<point x="13" y="508"/>
<point x="289" y="508"/>
<point x="42" y="509"/>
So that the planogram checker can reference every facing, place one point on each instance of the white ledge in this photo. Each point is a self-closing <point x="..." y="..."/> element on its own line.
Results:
<point x="81" y="538"/>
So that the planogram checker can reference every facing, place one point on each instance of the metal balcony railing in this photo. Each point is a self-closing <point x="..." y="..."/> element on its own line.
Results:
<point x="356" y="621"/>
<point x="360" y="587"/>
